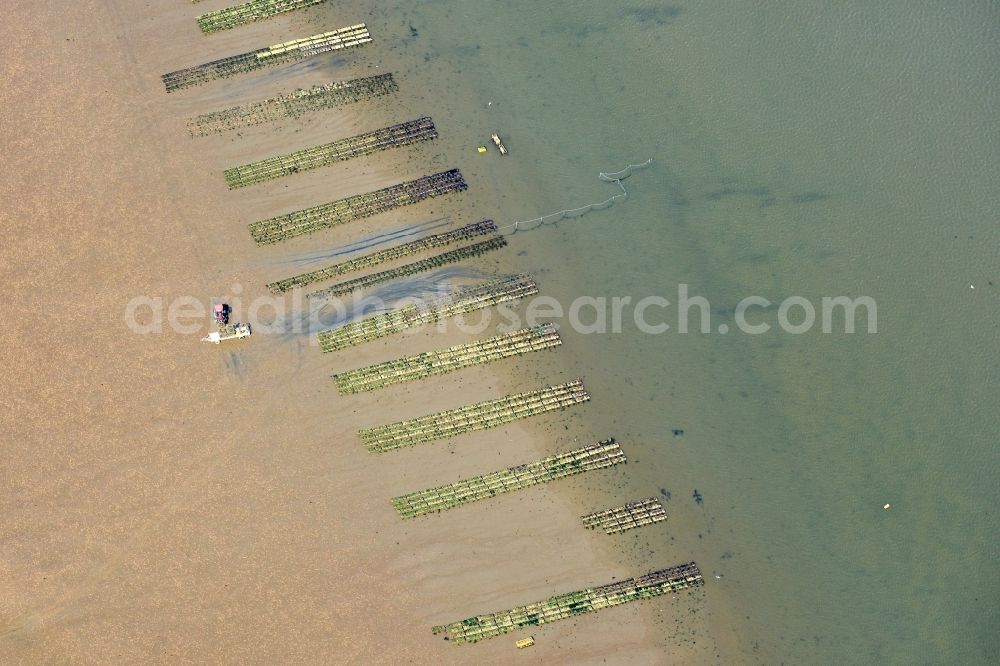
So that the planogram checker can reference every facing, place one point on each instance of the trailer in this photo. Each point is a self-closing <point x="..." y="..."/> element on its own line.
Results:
<point x="228" y="332"/>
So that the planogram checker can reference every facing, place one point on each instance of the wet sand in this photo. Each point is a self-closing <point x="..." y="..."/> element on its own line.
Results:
<point x="169" y="501"/>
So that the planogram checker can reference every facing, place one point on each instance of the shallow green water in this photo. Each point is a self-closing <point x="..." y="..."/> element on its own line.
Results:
<point x="811" y="149"/>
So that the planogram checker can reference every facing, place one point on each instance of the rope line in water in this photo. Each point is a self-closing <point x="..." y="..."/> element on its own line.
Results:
<point x="616" y="177"/>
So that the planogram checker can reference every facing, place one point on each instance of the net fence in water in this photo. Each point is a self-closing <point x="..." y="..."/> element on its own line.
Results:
<point x="615" y="177"/>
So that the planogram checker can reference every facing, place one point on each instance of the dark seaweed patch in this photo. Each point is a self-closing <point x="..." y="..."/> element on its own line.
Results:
<point x="810" y="197"/>
<point x="655" y="15"/>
